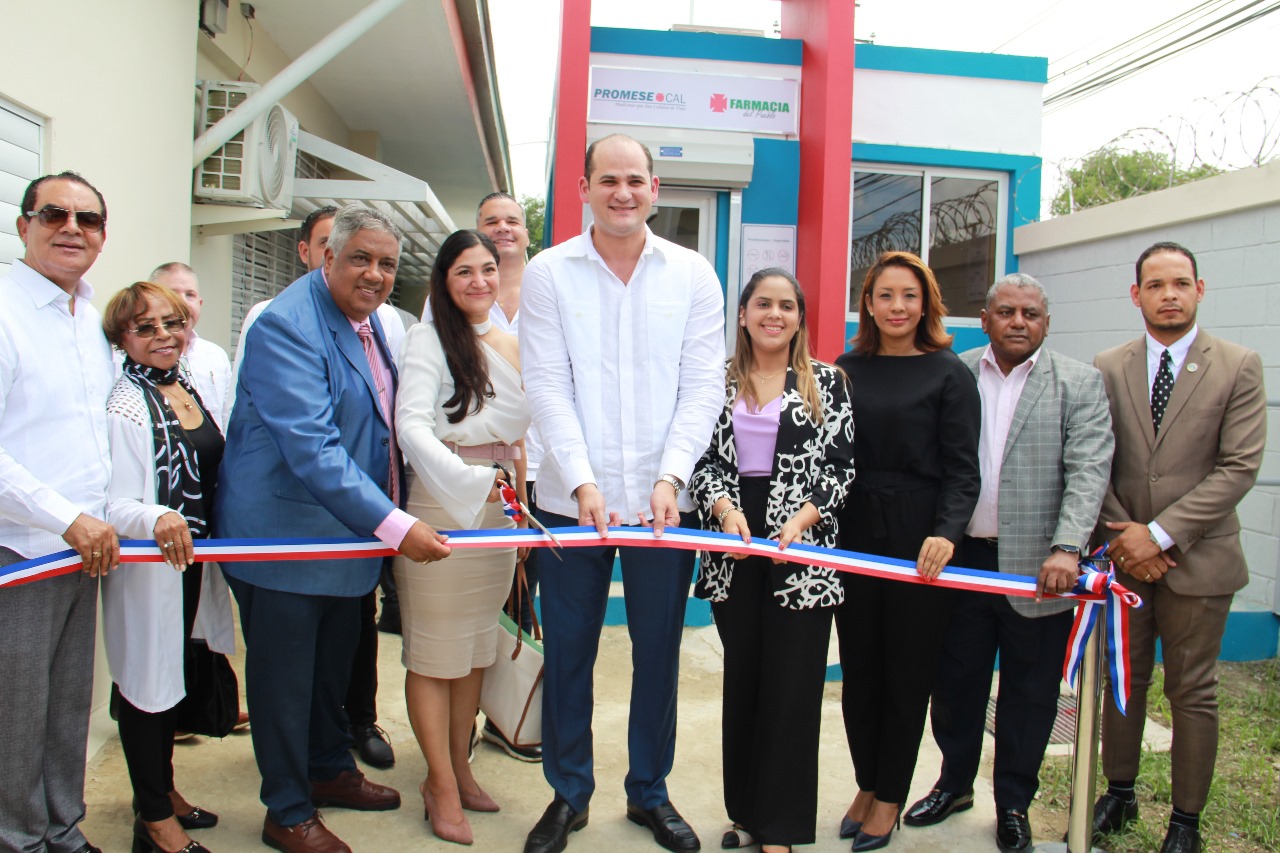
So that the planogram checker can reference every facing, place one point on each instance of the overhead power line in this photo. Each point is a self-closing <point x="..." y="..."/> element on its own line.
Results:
<point x="1035" y="22"/>
<point x="1188" y="18"/>
<point x="1148" y="56"/>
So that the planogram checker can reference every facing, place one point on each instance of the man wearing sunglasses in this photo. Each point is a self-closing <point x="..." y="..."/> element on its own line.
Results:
<point x="55" y="376"/>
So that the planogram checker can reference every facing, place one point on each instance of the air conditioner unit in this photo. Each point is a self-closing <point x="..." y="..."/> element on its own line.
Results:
<point x="256" y="167"/>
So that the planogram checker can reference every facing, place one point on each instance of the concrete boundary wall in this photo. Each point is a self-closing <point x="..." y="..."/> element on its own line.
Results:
<point x="1232" y="224"/>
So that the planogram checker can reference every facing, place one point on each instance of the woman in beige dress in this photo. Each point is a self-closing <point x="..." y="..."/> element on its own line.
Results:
<point x="460" y="409"/>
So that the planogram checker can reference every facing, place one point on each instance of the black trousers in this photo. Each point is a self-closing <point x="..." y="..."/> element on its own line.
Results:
<point x="1031" y="652"/>
<point x="147" y="739"/>
<point x="362" y="693"/>
<point x="775" y="664"/>
<point x="298" y="651"/>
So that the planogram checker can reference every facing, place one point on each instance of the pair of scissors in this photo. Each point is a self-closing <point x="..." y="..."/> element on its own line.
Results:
<point x="519" y="512"/>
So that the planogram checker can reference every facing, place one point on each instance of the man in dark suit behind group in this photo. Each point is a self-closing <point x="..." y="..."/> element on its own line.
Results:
<point x="1189" y="413"/>
<point x="311" y="453"/>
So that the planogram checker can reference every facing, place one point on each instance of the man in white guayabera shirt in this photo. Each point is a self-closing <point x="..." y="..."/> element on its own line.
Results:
<point x="55" y="375"/>
<point x="622" y="344"/>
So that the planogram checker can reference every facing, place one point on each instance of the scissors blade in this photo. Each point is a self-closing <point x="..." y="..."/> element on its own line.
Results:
<point x="555" y="543"/>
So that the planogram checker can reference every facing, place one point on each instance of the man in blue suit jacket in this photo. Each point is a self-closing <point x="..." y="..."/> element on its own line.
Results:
<point x="310" y="453"/>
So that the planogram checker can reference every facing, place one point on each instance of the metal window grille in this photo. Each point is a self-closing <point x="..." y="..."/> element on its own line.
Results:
<point x="262" y="265"/>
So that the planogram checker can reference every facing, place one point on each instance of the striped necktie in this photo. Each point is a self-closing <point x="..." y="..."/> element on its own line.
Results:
<point x="384" y="398"/>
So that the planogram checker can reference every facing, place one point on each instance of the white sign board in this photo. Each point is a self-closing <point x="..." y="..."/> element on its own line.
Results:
<point x="696" y="101"/>
<point x="767" y="246"/>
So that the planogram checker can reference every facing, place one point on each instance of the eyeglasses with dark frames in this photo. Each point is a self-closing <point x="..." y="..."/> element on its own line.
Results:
<point x="52" y="216"/>
<point x="149" y="330"/>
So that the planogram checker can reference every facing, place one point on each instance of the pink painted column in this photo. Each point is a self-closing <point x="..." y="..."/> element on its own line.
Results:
<point x="826" y="134"/>
<point x="570" y="133"/>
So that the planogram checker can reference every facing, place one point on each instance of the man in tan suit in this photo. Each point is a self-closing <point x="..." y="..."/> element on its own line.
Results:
<point x="1170" y="514"/>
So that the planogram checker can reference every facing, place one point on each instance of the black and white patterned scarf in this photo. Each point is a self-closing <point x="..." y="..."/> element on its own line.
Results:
<point x="177" y="471"/>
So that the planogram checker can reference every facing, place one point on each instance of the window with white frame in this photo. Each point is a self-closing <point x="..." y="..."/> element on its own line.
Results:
<point x="20" y="164"/>
<point x="955" y="220"/>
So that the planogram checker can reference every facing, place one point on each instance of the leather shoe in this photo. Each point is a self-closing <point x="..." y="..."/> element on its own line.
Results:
<point x="89" y="848"/>
<point x="373" y="746"/>
<point x="551" y="833"/>
<point x="1112" y="814"/>
<point x="668" y="828"/>
<point x="351" y="790"/>
<point x="1013" y="830"/>
<point x="1181" y="839"/>
<point x="310" y="836"/>
<point x="936" y="807"/>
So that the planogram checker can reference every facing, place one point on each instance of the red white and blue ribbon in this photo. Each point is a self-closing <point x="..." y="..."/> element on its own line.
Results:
<point x="1114" y="607"/>
<point x="1097" y="590"/>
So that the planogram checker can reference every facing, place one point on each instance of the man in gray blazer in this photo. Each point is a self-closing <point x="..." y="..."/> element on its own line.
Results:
<point x="1190" y="420"/>
<point x="1045" y="453"/>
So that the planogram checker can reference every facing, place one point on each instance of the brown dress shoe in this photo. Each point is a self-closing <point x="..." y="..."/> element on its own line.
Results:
<point x="310" y="836"/>
<point x="351" y="790"/>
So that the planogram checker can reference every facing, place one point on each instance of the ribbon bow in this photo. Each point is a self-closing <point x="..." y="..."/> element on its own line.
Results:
<point x="1095" y="580"/>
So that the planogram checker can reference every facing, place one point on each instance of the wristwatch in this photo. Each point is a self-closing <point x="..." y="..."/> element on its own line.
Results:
<point x="1070" y="549"/>
<point x="674" y="481"/>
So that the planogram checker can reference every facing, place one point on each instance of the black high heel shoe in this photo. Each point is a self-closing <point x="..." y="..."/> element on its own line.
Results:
<point x="144" y="843"/>
<point x="197" y="818"/>
<point x="849" y="828"/>
<point x="874" y="842"/>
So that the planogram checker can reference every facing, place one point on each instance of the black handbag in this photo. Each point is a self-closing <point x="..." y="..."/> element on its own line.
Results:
<point x="212" y="704"/>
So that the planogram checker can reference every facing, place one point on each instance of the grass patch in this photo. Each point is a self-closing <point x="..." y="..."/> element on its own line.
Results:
<point x="1243" y="813"/>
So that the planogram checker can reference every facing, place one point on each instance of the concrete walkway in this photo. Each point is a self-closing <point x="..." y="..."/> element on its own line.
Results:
<point x="221" y="775"/>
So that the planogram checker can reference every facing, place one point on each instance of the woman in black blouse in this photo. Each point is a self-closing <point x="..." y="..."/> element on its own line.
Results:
<point x="779" y="465"/>
<point x="918" y="415"/>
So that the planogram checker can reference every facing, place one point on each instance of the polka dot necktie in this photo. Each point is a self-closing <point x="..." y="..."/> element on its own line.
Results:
<point x="1161" y="390"/>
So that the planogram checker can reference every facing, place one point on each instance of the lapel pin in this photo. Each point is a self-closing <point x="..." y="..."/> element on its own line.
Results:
<point x="1192" y="367"/>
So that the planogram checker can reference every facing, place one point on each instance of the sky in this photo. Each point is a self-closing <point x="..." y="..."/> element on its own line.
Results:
<point x="525" y="36"/>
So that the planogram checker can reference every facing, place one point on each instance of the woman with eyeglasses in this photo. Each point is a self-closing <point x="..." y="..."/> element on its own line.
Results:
<point x="779" y="465"/>
<point x="461" y="418"/>
<point x="918" y="415"/>
<point x="165" y="450"/>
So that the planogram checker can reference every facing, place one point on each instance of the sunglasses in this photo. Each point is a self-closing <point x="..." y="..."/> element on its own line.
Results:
<point x="52" y="216"/>
<point x="150" y="330"/>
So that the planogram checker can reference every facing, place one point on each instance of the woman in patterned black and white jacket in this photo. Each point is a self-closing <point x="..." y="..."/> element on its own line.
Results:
<point x="779" y="465"/>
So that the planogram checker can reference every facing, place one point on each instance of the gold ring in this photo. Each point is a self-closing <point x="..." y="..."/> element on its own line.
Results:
<point x="95" y="553"/>
<point x="1122" y="559"/>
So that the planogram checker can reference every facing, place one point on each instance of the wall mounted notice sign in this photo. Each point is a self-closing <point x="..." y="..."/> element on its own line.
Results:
<point x="768" y="246"/>
<point x="697" y="101"/>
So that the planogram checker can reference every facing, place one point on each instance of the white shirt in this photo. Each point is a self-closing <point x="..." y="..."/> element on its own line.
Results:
<point x="392" y="327"/>
<point x="1000" y="395"/>
<point x="532" y="441"/>
<point x="1178" y="355"/>
<point x="625" y="380"/>
<point x="1177" y="352"/>
<point x="207" y="366"/>
<point x="55" y="375"/>
<point x="422" y="423"/>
